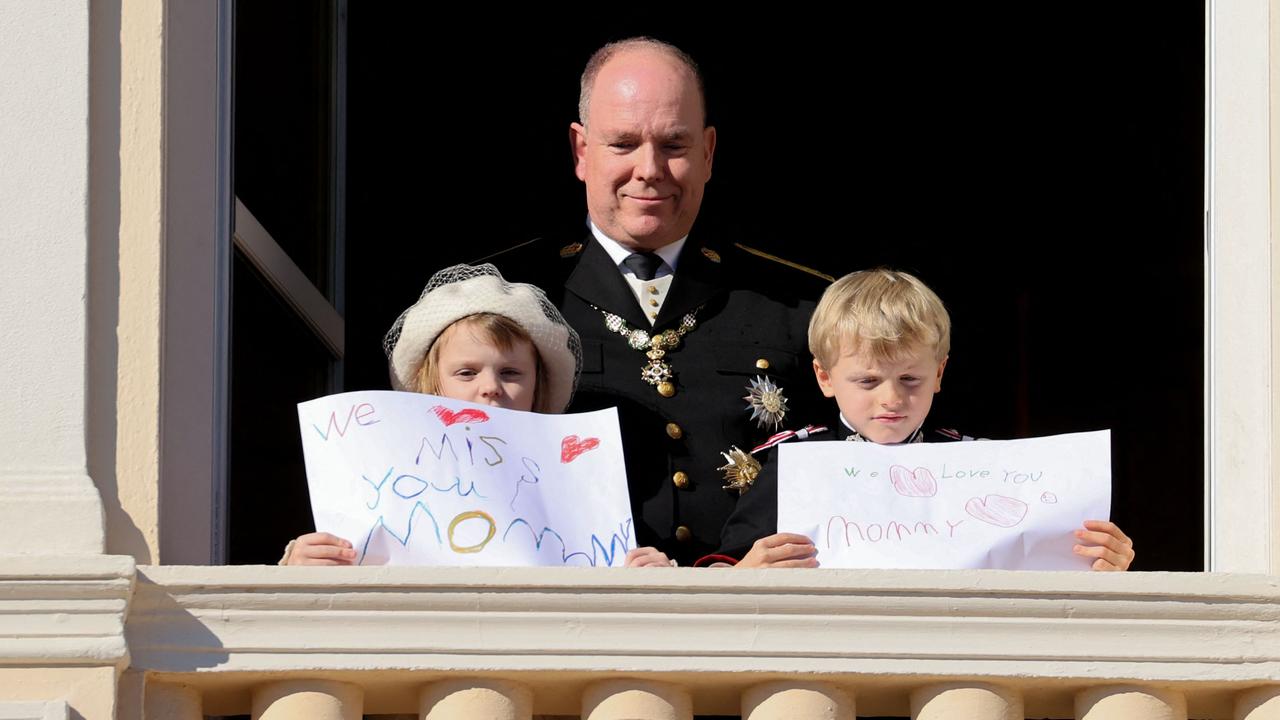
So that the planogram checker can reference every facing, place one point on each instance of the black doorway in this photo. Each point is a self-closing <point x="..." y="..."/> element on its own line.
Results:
<point x="1042" y="169"/>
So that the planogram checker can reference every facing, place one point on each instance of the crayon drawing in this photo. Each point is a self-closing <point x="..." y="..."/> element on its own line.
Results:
<point x="1010" y="504"/>
<point x="418" y="479"/>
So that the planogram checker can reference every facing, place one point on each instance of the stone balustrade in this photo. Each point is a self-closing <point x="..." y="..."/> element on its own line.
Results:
<point x="652" y="644"/>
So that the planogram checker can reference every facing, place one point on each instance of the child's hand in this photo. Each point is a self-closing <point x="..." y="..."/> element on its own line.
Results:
<point x="321" y="549"/>
<point x="1103" y="540"/>
<point x="781" y="550"/>
<point x="648" y="557"/>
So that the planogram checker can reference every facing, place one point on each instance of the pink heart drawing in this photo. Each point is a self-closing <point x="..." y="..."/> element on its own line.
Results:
<point x="449" y="417"/>
<point x="913" y="484"/>
<point x="1048" y="498"/>
<point x="571" y="447"/>
<point x="997" y="510"/>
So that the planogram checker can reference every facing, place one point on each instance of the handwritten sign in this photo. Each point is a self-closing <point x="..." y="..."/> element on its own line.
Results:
<point x="1009" y="504"/>
<point x="419" y="479"/>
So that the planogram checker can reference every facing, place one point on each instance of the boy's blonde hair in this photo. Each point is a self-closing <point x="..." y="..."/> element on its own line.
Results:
<point x="881" y="312"/>
<point x="500" y="330"/>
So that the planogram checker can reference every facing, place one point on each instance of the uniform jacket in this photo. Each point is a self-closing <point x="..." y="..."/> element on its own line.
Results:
<point x="752" y="320"/>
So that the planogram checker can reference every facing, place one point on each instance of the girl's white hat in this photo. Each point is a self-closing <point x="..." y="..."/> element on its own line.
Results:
<point x="462" y="290"/>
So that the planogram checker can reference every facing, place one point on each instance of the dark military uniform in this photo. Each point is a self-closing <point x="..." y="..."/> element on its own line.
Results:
<point x="752" y="319"/>
<point x="756" y="515"/>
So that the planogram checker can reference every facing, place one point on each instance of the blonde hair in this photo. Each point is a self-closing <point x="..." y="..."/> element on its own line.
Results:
<point x="883" y="312"/>
<point x="500" y="330"/>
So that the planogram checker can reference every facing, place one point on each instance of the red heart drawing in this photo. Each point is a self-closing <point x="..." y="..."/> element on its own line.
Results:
<point x="571" y="447"/>
<point x="449" y="417"/>
<point x="997" y="510"/>
<point x="913" y="484"/>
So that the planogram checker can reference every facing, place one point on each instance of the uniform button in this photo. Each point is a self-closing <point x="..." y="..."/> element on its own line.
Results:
<point x="653" y="290"/>
<point x="681" y="479"/>
<point x="653" y="315"/>
<point x="666" y="388"/>
<point x="674" y="431"/>
<point x="762" y="364"/>
<point x="683" y="534"/>
<point x="653" y="302"/>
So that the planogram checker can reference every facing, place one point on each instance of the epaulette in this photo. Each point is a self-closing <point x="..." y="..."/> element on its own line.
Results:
<point x="784" y="261"/>
<point x="503" y="251"/>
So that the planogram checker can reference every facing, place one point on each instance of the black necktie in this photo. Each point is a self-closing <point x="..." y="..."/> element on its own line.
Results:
<point x="645" y="265"/>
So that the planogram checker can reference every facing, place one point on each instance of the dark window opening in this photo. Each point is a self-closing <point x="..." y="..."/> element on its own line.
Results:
<point x="1042" y="170"/>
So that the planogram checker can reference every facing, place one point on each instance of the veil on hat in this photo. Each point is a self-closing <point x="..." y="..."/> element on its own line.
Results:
<point x="462" y="290"/>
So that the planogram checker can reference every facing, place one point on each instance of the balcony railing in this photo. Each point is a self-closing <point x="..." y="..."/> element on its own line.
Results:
<point x="453" y="643"/>
<point x="605" y="644"/>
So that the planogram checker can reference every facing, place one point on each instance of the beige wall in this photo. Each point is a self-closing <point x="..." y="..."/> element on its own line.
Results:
<point x="1239" y="368"/>
<point x="141" y="254"/>
<point x="124" y="277"/>
<point x="44" y="190"/>
<point x="155" y="210"/>
<point x="90" y="692"/>
<point x="1273" y="506"/>
<point x="154" y="173"/>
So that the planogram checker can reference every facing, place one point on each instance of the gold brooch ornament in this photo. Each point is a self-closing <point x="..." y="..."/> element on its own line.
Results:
<point x="741" y="470"/>
<point x="655" y="346"/>
<point x="765" y="401"/>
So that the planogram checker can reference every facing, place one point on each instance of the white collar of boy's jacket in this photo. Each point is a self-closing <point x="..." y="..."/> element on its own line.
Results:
<point x="915" y="437"/>
<point x="669" y="253"/>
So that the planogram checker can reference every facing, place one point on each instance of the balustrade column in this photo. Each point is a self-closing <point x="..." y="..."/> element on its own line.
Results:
<point x="973" y="701"/>
<point x="1130" y="702"/>
<point x="308" y="700"/>
<point x="1259" y="704"/>
<point x="636" y="700"/>
<point x="788" y="700"/>
<point x="468" y="698"/>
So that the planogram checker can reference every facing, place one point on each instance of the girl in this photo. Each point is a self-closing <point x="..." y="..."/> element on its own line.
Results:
<point x="474" y="336"/>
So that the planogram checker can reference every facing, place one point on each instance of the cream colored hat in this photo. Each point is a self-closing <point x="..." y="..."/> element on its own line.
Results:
<point x="462" y="290"/>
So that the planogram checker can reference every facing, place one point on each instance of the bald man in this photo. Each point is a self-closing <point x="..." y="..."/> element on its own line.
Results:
<point x="700" y="345"/>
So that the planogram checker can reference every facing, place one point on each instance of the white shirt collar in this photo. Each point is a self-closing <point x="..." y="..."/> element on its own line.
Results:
<point x="670" y="254"/>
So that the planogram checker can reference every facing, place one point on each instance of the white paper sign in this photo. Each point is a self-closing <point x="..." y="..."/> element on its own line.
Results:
<point x="1008" y="504"/>
<point x="424" y="480"/>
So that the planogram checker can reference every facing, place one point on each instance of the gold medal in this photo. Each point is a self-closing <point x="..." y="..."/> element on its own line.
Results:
<point x="741" y="471"/>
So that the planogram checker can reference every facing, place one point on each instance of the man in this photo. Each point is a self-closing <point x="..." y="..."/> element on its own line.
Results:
<point x="700" y="347"/>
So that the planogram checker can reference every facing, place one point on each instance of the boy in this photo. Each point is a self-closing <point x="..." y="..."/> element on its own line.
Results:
<point x="880" y="340"/>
